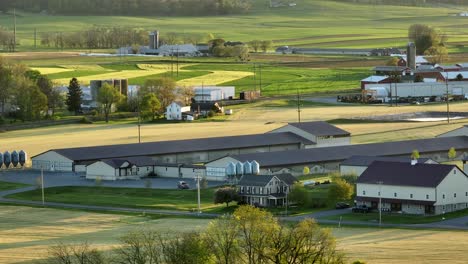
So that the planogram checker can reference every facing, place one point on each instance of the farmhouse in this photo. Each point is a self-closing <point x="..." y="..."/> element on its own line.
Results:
<point x="413" y="188"/>
<point x="120" y="169"/>
<point x="356" y="165"/>
<point x="462" y="131"/>
<point x="175" y="110"/>
<point x="265" y="190"/>
<point x="328" y="159"/>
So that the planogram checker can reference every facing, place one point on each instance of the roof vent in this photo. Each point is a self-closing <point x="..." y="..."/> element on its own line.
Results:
<point x="414" y="162"/>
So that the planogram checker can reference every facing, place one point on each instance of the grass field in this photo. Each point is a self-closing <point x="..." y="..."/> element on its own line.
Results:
<point x="348" y="25"/>
<point x="184" y="200"/>
<point x="10" y="185"/>
<point x="247" y="119"/>
<point x="32" y="230"/>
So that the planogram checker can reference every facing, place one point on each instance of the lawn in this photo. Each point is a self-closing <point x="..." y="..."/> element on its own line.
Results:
<point x="4" y="186"/>
<point x="33" y="230"/>
<point x="184" y="200"/>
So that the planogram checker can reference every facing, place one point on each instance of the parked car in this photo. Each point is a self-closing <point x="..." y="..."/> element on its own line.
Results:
<point x="361" y="209"/>
<point x="183" y="185"/>
<point x="341" y="205"/>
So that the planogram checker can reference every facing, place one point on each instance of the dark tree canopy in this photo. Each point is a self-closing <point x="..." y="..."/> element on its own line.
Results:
<point x="131" y="7"/>
<point x="74" y="96"/>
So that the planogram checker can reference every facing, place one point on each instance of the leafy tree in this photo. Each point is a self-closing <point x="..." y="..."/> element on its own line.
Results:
<point x="265" y="45"/>
<point x="74" y="96"/>
<point x="185" y="248"/>
<point x="340" y="190"/>
<point x="186" y="94"/>
<point x="107" y="96"/>
<point x="225" y="195"/>
<point x="31" y="103"/>
<point x="393" y="61"/>
<point x="150" y="104"/>
<point x="436" y="54"/>
<point x="306" y="170"/>
<point x="139" y="247"/>
<point x="255" y="45"/>
<point x="164" y="88"/>
<point x="425" y="37"/>
<point x="452" y="153"/>
<point x="299" y="194"/>
<point x="54" y="97"/>
<point x="6" y="79"/>
<point x="222" y="236"/>
<point x="71" y="254"/>
<point x="415" y="154"/>
<point x="459" y="77"/>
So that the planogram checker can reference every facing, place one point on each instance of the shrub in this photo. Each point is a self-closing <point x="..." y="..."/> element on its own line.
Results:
<point x="211" y="113"/>
<point x="85" y="120"/>
<point x="98" y="181"/>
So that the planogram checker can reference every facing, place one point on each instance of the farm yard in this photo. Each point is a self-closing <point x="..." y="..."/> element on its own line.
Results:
<point x="33" y="230"/>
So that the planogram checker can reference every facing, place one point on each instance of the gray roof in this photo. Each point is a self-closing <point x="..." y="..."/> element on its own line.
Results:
<point x="340" y="153"/>
<point x="320" y="128"/>
<point x="367" y="160"/>
<point x="138" y="161"/>
<point x="405" y="174"/>
<point x="180" y="146"/>
<point x="390" y="68"/>
<point x="262" y="180"/>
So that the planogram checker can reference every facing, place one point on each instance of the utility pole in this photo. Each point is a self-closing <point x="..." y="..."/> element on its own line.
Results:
<point x="172" y="62"/>
<point x="255" y="77"/>
<point x="42" y="186"/>
<point x="298" y="106"/>
<point x="447" y="97"/>
<point x="14" y="29"/>
<point x="139" y="119"/>
<point x="35" y="38"/>
<point x="260" y="73"/>
<point x="177" y="60"/>
<point x="198" y="178"/>
<point x="380" y="202"/>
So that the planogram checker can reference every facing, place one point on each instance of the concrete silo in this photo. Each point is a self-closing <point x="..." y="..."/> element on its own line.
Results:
<point x="411" y="56"/>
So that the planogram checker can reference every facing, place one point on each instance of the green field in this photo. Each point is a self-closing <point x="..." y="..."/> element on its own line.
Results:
<point x="4" y="186"/>
<point x="326" y="24"/>
<point x="33" y="230"/>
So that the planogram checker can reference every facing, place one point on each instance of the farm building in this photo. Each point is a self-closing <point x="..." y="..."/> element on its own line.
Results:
<point x="422" y="89"/>
<point x="413" y="188"/>
<point x="465" y="164"/>
<point x="175" y="110"/>
<point x="192" y="151"/>
<point x="462" y="131"/>
<point x="328" y="159"/>
<point x="356" y="165"/>
<point x="374" y="79"/>
<point x="321" y="133"/>
<point x="129" y="168"/>
<point x="265" y="190"/>
<point x="213" y="93"/>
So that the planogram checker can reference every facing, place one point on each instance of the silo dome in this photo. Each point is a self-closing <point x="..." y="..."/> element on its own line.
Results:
<point x="255" y="167"/>
<point x="14" y="158"/>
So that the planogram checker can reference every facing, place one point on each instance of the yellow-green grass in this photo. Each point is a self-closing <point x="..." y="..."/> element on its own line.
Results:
<point x="26" y="233"/>
<point x="215" y="78"/>
<point x="126" y="74"/>
<point x="85" y="67"/>
<point x="247" y="119"/>
<point x="11" y="185"/>
<point x="51" y="70"/>
<point x="162" y="66"/>
<point x="33" y="230"/>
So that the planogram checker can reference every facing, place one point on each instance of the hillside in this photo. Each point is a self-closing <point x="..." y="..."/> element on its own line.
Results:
<point x="319" y="24"/>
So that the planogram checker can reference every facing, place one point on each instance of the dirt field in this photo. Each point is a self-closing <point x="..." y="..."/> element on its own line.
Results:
<point x="33" y="230"/>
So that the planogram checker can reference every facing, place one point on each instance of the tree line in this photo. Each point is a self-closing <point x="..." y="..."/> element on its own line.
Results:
<point x="131" y="7"/>
<point x="250" y="235"/>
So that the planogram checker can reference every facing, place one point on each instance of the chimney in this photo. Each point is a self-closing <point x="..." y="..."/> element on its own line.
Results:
<point x="414" y="162"/>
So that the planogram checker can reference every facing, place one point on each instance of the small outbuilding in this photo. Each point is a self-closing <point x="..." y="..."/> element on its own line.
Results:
<point x="131" y="168"/>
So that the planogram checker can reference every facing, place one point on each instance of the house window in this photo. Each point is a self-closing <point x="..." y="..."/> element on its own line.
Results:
<point x="443" y="196"/>
<point x="454" y="171"/>
<point x="166" y="168"/>
<point x="427" y="196"/>
<point x="466" y="194"/>
<point x="378" y="193"/>
<point x="455" y="195"/>
<point x="363" y="192"/>
<point x="395" y="195"/>
<point x="411" y="195"/>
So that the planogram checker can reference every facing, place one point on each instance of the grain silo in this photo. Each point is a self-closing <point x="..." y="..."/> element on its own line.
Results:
<point x="255" y="167"/>
<point x="240" y="168"/>
<point x="411" y="56"/>
<point x="7" y="159"/>
<point x="154" y="40"/>
<point x="1" y="160"/>
<point x="231" y="169"/>
<point x="14" y="158"/>
<point x="95" y="86"/>
<point x="23" y="157"/>
<point x="247" y="168"/>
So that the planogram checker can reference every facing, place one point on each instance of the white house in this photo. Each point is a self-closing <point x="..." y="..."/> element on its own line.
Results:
<point x="265" y="190"/>
<point x="413" y="188"/>
<point x="356" y="165"/>
<point x="175" y="110"/>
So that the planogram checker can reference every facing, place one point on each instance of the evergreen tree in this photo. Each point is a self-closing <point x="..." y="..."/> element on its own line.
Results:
<point x="74" y="96"/>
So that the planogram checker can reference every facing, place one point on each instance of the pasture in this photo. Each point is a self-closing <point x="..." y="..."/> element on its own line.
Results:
<point x="247" y="119"/>
<point x="33" y="230"/>
<point x="348" y="25"/>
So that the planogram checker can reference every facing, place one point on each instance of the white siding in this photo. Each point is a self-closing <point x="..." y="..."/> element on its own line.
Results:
<point x="455" y="184"/>
<point x="352" y="170"/>
<point x="297" y="131"/>
<point x="321" y="141"/>
<point x="402" y="192"/>
<point x="101" y="169"/>
<point x="51" y="160"/>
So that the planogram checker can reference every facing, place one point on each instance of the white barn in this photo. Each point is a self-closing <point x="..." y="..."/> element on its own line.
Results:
<point x="213" y="93"/>
<point x="413" y="188"/>
<point x="131" y="168"/>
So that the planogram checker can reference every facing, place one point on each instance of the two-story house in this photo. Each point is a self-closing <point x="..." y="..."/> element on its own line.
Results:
<point x="265" y="190"/>
<point x="175" y="110"/>
<point x="413" y="188"/>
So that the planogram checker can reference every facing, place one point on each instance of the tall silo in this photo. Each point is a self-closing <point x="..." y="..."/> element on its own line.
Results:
<point x="411" y="56"/>
<point x="14" y="158"/>
<point x="231" y="169"/>
<point x="154" y="40"/>
<point x="7" y="159"/>
<point x="124" y="87"/>
<point x="1" y="160"/>
<point x="239" y="168"/>
<point x="255" y="167"/>
<point x="95" y="86"/>
<point x="23" y="157"/>
<point x="247" y="168"/>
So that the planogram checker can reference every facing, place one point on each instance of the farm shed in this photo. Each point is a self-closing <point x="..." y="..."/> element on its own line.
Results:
<point x="356" y="165"/>
<point x="120" y="169"/>
<point x="321" y="133"/>
<point x="374" y="79"/>
<point x="214" y="93"/>
<point x="179" y="171"/>
<point x="422" y="89"/>
<point x="413" y="188"/>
